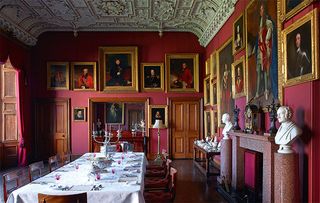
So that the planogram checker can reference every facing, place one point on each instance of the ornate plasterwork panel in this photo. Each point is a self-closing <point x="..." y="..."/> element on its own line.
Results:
<point x="27" y="19"/>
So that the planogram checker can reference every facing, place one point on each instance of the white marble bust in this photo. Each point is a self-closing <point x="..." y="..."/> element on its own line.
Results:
<point x="287" y="132"/>
<point x="228" y="125"/>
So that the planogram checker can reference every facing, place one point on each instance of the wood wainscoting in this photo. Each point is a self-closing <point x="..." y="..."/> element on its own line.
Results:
<point x="184" y="125"/>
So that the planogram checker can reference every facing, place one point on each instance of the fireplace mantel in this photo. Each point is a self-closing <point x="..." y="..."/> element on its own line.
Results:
<point x="258" y="143"/>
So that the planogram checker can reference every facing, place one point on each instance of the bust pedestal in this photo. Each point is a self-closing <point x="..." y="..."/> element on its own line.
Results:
<point x="225" y="156"/>
<point x="285" y="176"/>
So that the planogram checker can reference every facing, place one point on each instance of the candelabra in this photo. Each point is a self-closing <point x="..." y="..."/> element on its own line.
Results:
<point x="106" y="143"/>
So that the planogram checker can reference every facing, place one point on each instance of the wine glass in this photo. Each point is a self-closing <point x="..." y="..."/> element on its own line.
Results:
<point x="98" y="175"/>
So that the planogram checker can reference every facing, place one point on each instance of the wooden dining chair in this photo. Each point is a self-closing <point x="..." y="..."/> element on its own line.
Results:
<point x="11" y="181"/>
<point x="77" y="198"/>
<point x="64" y="159"/>
<point x="53" y="163"/>
<point x="36" y="170"/>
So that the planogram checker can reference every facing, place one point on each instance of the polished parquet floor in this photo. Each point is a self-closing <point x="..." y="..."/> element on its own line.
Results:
<point x="192" y="185"/>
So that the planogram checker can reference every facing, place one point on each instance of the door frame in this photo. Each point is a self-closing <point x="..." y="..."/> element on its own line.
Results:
<point x="170" y="101"/>
<point x="52" y="100"/>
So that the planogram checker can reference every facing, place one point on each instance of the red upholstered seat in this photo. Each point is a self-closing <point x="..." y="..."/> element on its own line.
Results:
<point x="156" y="182"/>
<point x="158" y="171"/>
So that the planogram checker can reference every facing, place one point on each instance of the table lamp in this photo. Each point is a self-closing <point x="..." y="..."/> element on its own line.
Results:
<point x="158" y="124"/>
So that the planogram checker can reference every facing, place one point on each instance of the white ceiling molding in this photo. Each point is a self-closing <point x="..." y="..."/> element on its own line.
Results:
<point x="27" y="19"/>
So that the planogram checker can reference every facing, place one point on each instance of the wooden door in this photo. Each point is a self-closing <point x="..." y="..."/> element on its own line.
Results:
<point x="51" y="127"/>
<point x="184" y="127"/>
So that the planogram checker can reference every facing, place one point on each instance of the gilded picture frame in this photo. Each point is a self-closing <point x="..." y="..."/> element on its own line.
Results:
<point x="238" y="37"/>
<point x="213" y="92"/>
<point x="182" y="72"/>
<point x="215" y="122"/>
<point x="114" y="113"/>
<point x="119" y="68"/>
<point x="57" y="75"/>
<point x="238" y="78"/>
<point x="208" y="67"/>
<point x="291" y="7"/>
<point x="300" y="50"/>
<point x="159" y="112"/>
<point x="83" y="76"/>
<point x="213" y="64"/>
<point x="79" y="114"/>
<point x="206" y="90"/>
<point x="207" y="123"/>
<point x="224" y="80"/>
<point x="152" y="77"/>
<point x="262" y="75"/>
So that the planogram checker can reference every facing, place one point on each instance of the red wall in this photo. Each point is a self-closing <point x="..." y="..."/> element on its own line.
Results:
<point x="63" y="46"/>
<point x="305" y="107"/>
<point x="20" y="59"/>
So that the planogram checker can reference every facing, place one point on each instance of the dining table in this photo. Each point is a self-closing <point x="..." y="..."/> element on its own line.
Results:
<point x="121" y="180"/>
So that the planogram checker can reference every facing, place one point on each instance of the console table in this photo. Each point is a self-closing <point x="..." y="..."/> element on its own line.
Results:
<point x="203" y="163"/>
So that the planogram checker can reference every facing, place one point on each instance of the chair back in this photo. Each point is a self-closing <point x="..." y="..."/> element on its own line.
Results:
<point x="36" y="170"/>
<point x="64" y="159"/>
<point x="77" y="198"/>
<point x="11" y="181"/>
<point x="53" y="163"/>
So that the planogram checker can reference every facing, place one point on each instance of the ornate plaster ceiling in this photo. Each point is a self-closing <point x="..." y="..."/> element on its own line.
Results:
<point x="27" y="19"/>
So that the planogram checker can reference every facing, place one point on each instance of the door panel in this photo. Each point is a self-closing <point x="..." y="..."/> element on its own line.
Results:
<point x="185" y="127"/>
<point x="51" y="127"/>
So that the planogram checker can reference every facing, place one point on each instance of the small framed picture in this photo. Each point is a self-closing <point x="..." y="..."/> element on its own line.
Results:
<point x="206" y="89"/>
<point x="84" y="76"/>
<point x="58" y="75"/>
<point x="158" y="112"/>
<point x="79" y="114"/>
<point x="152" y="75"/>
<point x="238" y="78"/>
<point x="114" y="113"/>
<point x="238" y="34"/>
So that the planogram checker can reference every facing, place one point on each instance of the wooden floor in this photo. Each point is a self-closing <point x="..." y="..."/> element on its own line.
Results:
<point x="192" y="185"/>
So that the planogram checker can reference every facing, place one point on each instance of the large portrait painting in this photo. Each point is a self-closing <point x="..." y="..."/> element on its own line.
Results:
<point x="238" y="34"/>
<point x="83" y="75"/>
<point x="152" y="76"/>
<point x="225" y="100"/>
<point x="182" y="72"/>
<point x="238" y="78"/>
<point x="114" y="113"/>
<point x="214" y="92"/>
<point x="58" y="75"/>
<point x="119" y="68"/>
<point x="262" y="52"/>
<point x="301" y="47"/>
<point x="158" y="112"/>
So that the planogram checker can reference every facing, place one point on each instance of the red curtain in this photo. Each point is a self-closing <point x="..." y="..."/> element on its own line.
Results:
<point x="22" y="152"/>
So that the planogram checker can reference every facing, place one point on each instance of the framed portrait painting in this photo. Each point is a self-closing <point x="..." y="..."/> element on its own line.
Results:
<point x="182" y="72"/>
<point x="238" y="78"/>
<point x="213" y="92"/>
<point x="206" y="90"/>
<point x="224" y="81"/>
<point x="215" y="122"/>
<point x="261" y="52"/>
<point x="152" y="76"/>
<point x="158" y="112"/>
<point x="213" y="63"/>
<point x="291" y="7"/>
<point x="79" y="114"/>
<point x="119" y="68"/>
<point x="84" y="75"/>
<point x="114" y="113"/>
<point x="57" y="75"/>
<point x="238" y="41"/>
<point x="207" y="123"/>
<point x="301" y="47"/>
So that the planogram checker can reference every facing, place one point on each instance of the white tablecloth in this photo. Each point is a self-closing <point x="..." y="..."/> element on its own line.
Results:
<point x="124" y="185"/>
